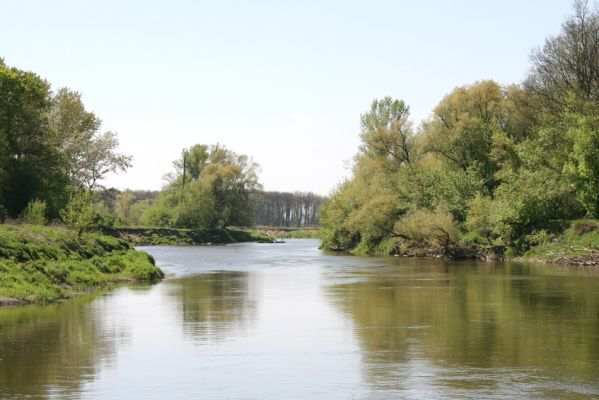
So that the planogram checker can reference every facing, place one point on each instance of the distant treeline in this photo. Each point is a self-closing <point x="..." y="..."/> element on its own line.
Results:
<point x="278" y="209"/>
<point x="54" y="157"/>
<point x="286" y="209"/>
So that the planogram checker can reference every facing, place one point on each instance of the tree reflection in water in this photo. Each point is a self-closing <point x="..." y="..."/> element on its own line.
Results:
<point x="465" y="326"/>
<point x="213" y="304"/>
<point x="51" y="349"/>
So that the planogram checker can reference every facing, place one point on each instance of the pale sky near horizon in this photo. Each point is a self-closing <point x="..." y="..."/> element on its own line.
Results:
<point x="282" y="81"/>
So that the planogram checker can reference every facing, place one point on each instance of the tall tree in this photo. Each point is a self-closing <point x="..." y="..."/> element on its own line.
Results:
<point x="386" y="132"/>
<point x="582" y="165"/>
<point x="193" y="161"/>
<point x="210" y="187"/>
<point x="89" y="153"/>
<point x="286" y="209"/>
<point x="569" y="62"/>
<point x="473" y="126"/>
<point x="30" y="163"/>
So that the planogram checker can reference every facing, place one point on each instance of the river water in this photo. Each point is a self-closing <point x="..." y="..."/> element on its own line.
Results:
<point x="288" y="321"/>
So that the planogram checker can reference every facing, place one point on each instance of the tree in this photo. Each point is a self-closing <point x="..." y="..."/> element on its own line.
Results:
<point x="193" y="161"/>
<point x="123" y="204"/>
<point x="210" y="187"/>
<point x="285" y="209"/>
<point x="30" y="163"/>
<point x="463" y="125"/>
<point x="386" y="132"/>
<point x="429" y="183"/>
<point x="582" y="166"/>
<point x="334" y="214"/>
<point x="569" y="62"/>
<point x="479" y="217"/>
<point x="90" y="155"/>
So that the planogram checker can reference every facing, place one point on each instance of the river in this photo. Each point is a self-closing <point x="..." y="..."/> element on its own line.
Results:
<point x="288" y="321"/>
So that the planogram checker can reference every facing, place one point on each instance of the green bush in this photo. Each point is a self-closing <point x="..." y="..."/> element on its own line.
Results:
<point x="35" y="213"/>
<point x="436" y="228"/>
<point x="474" y="238"/>
<point x="538" y="237"/>
<point x="79" y="213"/>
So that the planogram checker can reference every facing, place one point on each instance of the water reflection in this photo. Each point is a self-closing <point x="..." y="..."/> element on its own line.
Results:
<point x="213" y="304"/>
<point x="503" y="330"/>
<point x="287" y="321"/>
<point x="52" y="349"/>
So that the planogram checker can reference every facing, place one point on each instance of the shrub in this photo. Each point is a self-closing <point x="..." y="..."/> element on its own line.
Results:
<point x="474" y="238"/>
<point x="538" y="237"/>
<point x="79" y="213"/>
<point x="35" y="213"/>
<point x="437" y="228"/>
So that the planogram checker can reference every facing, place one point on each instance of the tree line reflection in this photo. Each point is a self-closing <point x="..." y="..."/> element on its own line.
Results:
<point x="443" y="318"/>
<point x="213" y="304"/>
<point x="54" y="348"/>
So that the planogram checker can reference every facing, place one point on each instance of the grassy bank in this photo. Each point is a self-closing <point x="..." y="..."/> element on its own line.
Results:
<point x="175" y="236"/>
<point x="41" y="264"/>
<point x="575" y="243"/>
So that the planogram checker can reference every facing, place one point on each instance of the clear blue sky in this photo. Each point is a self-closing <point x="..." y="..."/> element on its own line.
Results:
<point x="282" y="81"/>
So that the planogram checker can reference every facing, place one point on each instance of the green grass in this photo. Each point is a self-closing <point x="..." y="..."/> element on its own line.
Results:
<point x="580" y="238"/>
<point x="41" y="264"/>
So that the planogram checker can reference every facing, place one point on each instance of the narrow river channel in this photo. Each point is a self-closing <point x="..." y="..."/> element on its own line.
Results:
<point x="288" y="321"/>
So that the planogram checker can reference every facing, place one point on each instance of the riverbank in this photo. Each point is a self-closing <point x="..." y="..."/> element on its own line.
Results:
<point x="566" y="242"/>
<point x="577" y="244"/>
<point x="289" y="233"/>
<point x="178" y="236"/>
<point x="42" y="264"/>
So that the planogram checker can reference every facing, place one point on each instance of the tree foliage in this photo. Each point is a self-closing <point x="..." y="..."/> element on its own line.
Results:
<point x="30" y="162"/>
<point x="211" y="187"/>
<point x="387" y="132"/>
<point x="79" y="213"/>
<point x="35" y="213"/>
<point x="436" y="228"/>
<point x="582" y="165"/>
<point x="569" y="62"/>
<point x="89" y="155"/>
<point x="497" y="162"/>
<point x="50" y="146"/>
<point x="285" y="209"/>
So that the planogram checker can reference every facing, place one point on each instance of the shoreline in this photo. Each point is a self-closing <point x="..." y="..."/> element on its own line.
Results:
<point x="42" y="265"/>
<point x="142" y="236"/>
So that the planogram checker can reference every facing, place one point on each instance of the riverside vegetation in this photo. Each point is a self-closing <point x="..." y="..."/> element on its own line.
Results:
<point x="53" y="158"/>
<point x="496" y="168"/>
<point x="44" y="264"/>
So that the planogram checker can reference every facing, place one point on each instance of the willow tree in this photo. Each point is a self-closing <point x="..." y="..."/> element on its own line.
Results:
<point x="211" y="186"/>
<point x="364" y="209"/>
<point x="386" y="133"/>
